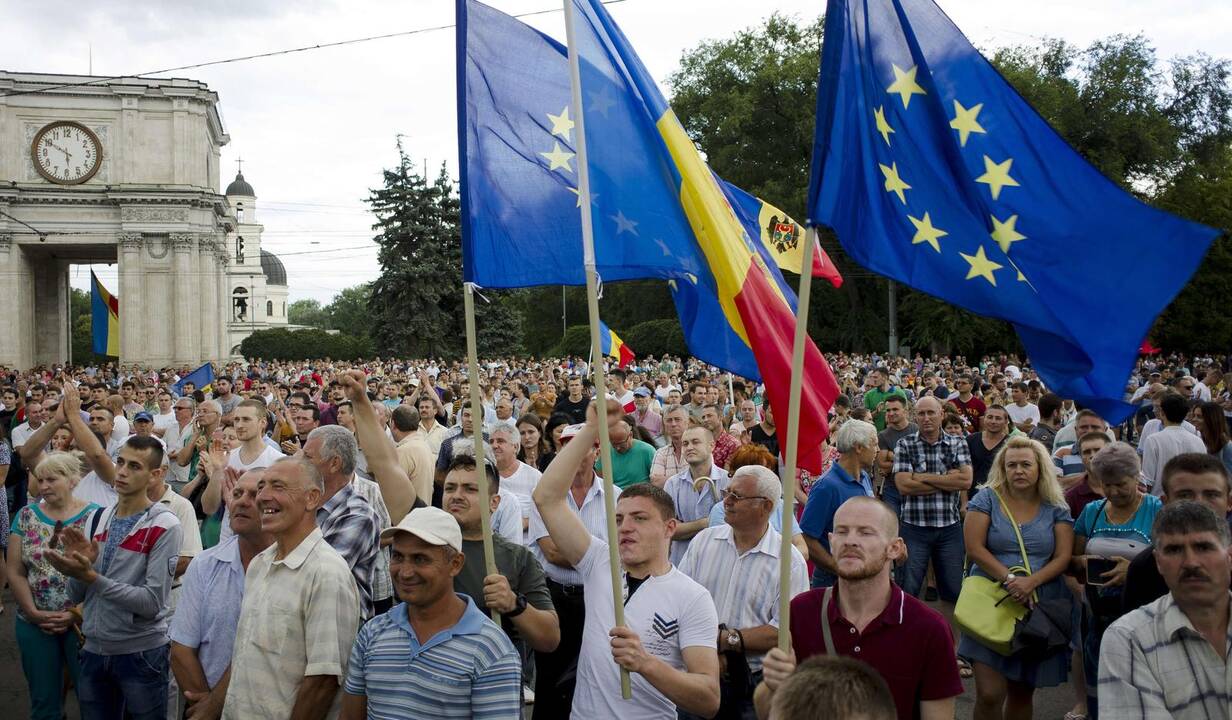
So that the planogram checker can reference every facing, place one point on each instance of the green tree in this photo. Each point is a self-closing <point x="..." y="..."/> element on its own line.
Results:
<point x="416" y="302"/>
<point x="308" y="312"/>
<point x="348" y="311"/>
<point x="81" y="319"/>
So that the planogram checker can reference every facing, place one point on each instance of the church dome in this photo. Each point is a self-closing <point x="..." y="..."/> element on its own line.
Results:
<point x="275" y="273"/>
<point x="240" y="186"/>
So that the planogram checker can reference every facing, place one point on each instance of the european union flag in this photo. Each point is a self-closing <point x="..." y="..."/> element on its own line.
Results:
<point x="936" y="173"/>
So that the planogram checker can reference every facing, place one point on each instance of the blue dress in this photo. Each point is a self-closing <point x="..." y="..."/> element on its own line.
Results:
<point x="1039" y="537"/>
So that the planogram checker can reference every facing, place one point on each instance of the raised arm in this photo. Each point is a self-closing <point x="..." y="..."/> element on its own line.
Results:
<point x="96" y="455"/>
<point x="396" y="487"/>
<point x="32" y="452"/>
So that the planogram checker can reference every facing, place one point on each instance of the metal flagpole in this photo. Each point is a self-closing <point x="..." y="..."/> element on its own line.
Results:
<point x="793" y="436"/>
<point x="592" y="304"/>
<point x="477" y="416"/>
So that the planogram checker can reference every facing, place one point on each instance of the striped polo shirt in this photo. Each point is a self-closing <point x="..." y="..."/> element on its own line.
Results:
<point x="470" y="670"/>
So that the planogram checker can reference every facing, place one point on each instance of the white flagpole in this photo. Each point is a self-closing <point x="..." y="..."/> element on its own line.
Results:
<point x="477" y="417"/>
<point x="793" y="436"/>
<point x="592" y="304"/>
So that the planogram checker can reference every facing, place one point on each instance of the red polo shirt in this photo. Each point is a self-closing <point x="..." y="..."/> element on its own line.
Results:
<point x="909" y="643"/>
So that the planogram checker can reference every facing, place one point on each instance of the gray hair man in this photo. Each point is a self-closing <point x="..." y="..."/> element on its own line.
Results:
<point x="857" y="441"/>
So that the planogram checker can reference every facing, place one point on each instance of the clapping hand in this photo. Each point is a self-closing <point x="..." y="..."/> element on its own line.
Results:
<point x="76" y="555"/>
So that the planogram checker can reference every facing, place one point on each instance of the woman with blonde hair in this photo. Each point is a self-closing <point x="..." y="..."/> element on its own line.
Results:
<point x="45" y="634"/>
<point x="1022" y="497"/>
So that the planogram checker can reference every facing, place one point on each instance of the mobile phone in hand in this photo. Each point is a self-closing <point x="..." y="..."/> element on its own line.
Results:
<point x="1096" y="567"/>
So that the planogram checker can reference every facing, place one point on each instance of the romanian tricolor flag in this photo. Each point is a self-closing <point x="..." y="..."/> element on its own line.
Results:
<point x="613" y="347"/>
<point x="104" y="319"/>
<point x="667" y="185"/>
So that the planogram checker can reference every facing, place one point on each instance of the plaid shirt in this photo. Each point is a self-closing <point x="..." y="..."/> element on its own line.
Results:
<point x="1154" y="664"/>
<point x="915" y="455"/>
<point x="351" y="526"/>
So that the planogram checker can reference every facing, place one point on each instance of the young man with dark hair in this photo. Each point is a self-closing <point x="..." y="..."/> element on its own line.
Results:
<point x="1045" y="430"/>
<point x="1169" y="442"/>
<point x="1196" y="477"/>
<point x="668" y="642"/>
<point x="969" y="406"/>
<point x="123" y="575"/>
<point x="1022" y="413"/>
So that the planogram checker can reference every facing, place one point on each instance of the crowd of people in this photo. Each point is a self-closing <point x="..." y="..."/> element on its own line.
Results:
<point x="305" y="540"/>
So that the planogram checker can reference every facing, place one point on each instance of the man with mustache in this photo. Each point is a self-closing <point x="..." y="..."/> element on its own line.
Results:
<point x="868" y="618"/>
<point x="1170" y="658"/>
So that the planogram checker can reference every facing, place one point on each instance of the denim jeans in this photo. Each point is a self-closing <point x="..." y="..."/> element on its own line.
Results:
<point x="133" y="685"/>
<point x="944" y="546"/>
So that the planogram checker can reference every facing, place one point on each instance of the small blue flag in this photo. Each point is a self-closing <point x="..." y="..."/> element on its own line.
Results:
<point x="201" y="378"/>
<point x="933" y="171"/>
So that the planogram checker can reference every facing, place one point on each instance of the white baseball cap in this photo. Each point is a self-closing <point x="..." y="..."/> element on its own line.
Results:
<point x="430" y="524"/>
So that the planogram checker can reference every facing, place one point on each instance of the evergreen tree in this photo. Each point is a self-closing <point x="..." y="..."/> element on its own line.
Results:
<point x="416" y="302"/>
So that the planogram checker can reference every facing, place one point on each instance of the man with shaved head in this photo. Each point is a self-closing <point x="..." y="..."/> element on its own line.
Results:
<point x="871" y="619"/>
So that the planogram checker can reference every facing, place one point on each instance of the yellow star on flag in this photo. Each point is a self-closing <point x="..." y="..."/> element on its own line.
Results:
<point x="1005" y="232"/>
<point x="558" y="157"/>
<point x="965" y="121"/>
<point x="981" y="266"/>
<point x="883" y="127"/>
<point x="905" y="85"/>
<point x="561" y="124"/>
<point x="893" y="183"/>
<point x="997" y="176"/>
<point x="926" y="233"/>
<point x="593" y="196"/>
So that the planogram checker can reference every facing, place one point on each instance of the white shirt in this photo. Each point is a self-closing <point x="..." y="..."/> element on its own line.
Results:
<point x="164" y="422"/>
<point x="522" y="483"/>
<point x="668" y="612"/>
<point x="120" y="429"/>
<point x="1019" y="415"/>
<point x="744" y="587"/>
<point x="22" y="433"/>
<point x="93" y="489"/>
<point x="507" y="520"/>
<point x="174" y="440"/>
<point x="190" y="541"/>
<point x="1161" y="447"/>
<point x="593" y="516"/>
<point x="1154" y="425"/>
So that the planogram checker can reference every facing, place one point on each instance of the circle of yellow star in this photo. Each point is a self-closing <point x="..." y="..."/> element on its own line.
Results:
<point x="558" y="158"/>
<point x="925" y="232"/>
<point x="981" y="266"/>
<point x="1005" y="232"/>
<point x="894" y="183"/>
<point x="965" y="121"/>
<point x="905" y="85"/>
<point x="561" y="124"/>
<point x="883" y="127"/>
<point x="997" y="176"/>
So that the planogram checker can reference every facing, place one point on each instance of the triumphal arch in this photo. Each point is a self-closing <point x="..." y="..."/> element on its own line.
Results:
<point x="121" y="171"/>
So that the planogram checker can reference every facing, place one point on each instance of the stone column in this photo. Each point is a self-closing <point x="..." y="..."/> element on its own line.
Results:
<point x="207" y="300"/>
<point x="222" y="259"/>
<point x="132" y="305"/>
<point x="17" y="348"/>
<point x="185" y="343"/>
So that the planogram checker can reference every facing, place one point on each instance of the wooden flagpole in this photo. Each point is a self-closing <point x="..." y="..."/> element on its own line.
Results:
<point x="793" y="436"/>
<point x="596" y="353"/>
<point x="477" y="416"/>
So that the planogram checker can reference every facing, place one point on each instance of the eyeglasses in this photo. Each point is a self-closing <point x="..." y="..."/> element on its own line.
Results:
<point x="735" y="498"/>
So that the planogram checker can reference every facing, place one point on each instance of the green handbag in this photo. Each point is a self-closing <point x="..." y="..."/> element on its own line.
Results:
<point x="985" y="611"/>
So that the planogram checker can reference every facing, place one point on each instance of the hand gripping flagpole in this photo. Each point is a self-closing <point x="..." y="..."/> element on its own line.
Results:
<point x="477" y="415"/>
<point x="592" y="304"/>
<point x="793" y="437"/>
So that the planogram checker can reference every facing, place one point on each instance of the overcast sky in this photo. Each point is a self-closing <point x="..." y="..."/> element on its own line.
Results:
<point x="316" y="128"/>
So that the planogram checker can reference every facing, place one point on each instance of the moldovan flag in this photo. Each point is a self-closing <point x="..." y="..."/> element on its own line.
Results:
<point x="104" y="319"/>
<point x="613" y="347"/>
<point x="671" y="187"/>
<point x="201" y="378"/>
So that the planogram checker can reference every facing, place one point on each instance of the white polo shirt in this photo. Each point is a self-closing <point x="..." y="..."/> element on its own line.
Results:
<point x="668" y="612"/>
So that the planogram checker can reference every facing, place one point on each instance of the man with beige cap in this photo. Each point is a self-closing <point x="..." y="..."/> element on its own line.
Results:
<point x="435" y="654"/>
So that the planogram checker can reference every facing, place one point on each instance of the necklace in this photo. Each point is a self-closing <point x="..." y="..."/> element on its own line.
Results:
<point x="1130" y="514"/>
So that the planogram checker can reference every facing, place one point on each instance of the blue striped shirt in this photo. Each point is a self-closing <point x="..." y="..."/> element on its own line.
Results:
<point x="467" y="671"/>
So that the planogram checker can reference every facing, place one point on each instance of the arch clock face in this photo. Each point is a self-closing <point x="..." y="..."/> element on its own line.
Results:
<point x="66" y="153"/>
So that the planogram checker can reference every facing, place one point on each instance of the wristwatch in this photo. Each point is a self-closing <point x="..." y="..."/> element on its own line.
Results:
<point x="519" y="606"/>
<point x="733" y="639"/>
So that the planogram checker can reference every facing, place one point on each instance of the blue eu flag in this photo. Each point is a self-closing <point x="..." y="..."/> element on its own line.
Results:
<point x="933" y="171"/>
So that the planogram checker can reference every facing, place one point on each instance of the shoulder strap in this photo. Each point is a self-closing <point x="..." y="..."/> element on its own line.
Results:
<point x="1014" y="524"/>
<point x="825" y="621"/>
<point x="98" y="515"/>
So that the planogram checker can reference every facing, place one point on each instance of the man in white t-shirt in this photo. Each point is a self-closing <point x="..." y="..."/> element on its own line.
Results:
<point x="668" y="641"/>
<point x="165" y="417"/>
<point x="249" y="418"/>
<point x="1022" y="413"/>
<point x="515" y="476"/>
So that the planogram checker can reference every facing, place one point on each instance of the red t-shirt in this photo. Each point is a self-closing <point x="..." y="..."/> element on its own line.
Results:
<point x="909" y="644"/>
<point x="973" y="410"/>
